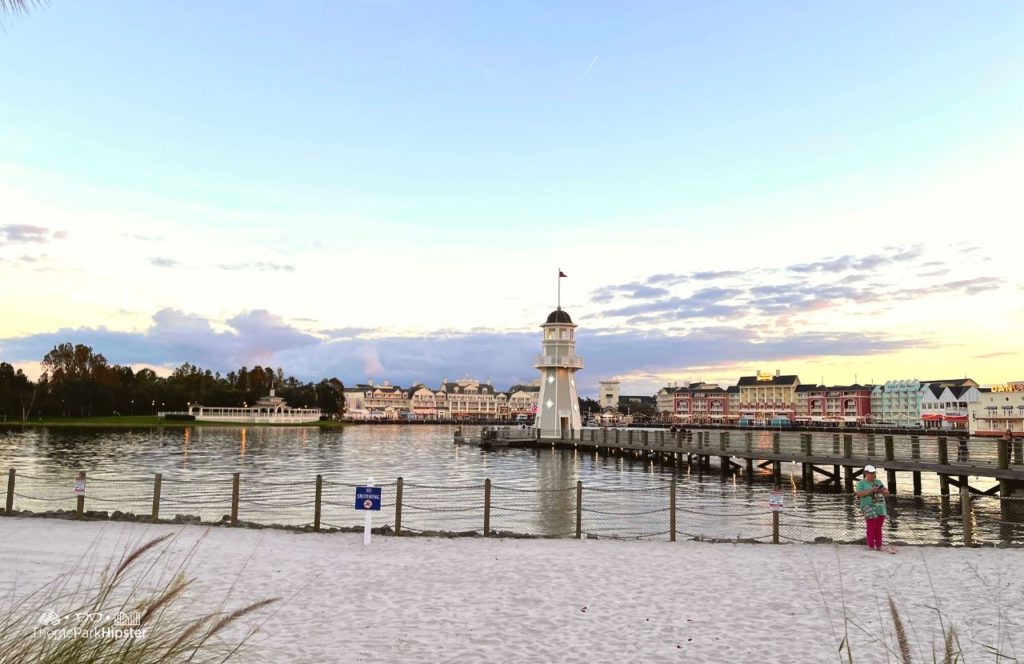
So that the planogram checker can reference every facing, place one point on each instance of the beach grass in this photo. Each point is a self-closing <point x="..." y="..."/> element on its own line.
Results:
<point x="137" y="608"/>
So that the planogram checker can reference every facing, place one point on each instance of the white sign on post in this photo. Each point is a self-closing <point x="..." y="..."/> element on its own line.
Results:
<point x="775" y="501"/>
<point x="80" y="486"/>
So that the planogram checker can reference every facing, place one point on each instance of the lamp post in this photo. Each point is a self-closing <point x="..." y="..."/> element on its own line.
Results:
<point x="133" y="406"/>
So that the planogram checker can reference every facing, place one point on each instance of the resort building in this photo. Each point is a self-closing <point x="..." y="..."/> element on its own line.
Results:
<point x="375" y="402"/>
<point x="998" y="410"/>
<point x="767" y="399"/>
<point x="704" y="403"/>
<point x="665" y="399"/>
<point x="839" y="404"/>
<point x="608" y="395"/>
<point x="944" y="404"/>
<point x="464" y="399"/>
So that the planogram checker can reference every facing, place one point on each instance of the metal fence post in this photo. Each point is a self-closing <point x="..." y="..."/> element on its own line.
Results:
<point x="487" y="507"/>
<point x="317" y="502"/>
<point x="579" y="509"/>
<point x="398" y="507"/>
<point x="10" y="491"/>
<point x="158" y="479"/>
<point x="235" y="481"/>
<point x="672" y="511"/>
<point x="80" y="507"/>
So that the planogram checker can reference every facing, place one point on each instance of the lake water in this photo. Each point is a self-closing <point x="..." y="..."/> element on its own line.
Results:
<point x="532" y="492"/>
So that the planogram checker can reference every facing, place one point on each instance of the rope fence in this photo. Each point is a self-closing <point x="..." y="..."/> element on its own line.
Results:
<point x="664" y="510"/>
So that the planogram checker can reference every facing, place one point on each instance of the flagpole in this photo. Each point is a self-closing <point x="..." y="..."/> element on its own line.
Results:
<point x="559" y="289"/>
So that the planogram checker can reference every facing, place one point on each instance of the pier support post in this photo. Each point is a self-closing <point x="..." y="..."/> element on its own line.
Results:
<point x="890" y="477"/>
<point x="235" y="481"/>
<point x="917" y="482"/>
<point x="10" y="491"/>
<point x="317" y="496"/>
<point x="700" y="467"/>
<point x="776" y="472"/>
<point x="400" y="485"/>
<point x="776" y="442"/>
<point x="157" y="481"/>
<point x="672" y="511"/>
<point x="836" y="476"/>
<point x="723" y="472"/>
<point x="487" y="507"/>
<point x="749" y="471"/>
<point x="848" y="479"/>
<point x="965" y="509"/>
<point x="579" y="509"/>
<point x="943" y="484"/>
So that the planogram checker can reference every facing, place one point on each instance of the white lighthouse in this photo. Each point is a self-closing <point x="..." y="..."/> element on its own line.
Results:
<point x="558" y="407"/>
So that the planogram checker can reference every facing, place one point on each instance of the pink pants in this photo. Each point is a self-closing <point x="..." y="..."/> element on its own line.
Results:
<point x="875" y="532"/>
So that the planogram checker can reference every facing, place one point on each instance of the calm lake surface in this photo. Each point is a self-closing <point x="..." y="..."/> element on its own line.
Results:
<point x="533" y="491"/>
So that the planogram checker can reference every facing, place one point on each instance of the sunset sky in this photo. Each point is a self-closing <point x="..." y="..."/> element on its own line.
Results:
<point x="387" y="189"/>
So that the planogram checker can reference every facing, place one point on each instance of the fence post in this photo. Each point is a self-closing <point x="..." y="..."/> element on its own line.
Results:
<point x="775" y="527"/>
<point x="10" y="491"/>
<point x="158" y="479"/>
<point x="672" y="511"/>
<point x="80" y="507"/>
<point x="398" y="507"/>
<point x="316" y="502"/>
<point x="487" y="507"/>
<point x="965" y="507"/>
<point x="579" y="509"/>
<point x="235" y="481"/>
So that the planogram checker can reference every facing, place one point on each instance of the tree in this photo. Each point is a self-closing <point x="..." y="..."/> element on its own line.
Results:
<point x="78" y="377"/>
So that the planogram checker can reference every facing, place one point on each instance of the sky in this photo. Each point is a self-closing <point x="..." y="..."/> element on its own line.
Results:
<point x="387" y="189"/>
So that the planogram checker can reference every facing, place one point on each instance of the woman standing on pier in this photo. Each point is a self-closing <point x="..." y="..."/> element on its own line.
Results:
<point x="872" y="495"/>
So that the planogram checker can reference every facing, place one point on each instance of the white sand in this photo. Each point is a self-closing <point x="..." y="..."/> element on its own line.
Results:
<point x="477" y="600"/>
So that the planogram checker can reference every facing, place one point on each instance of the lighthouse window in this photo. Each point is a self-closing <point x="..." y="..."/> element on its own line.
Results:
<point x="561" y="334"/>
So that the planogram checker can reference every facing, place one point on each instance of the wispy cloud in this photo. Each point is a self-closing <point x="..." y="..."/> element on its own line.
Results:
<point x="262" y="266"/>
<point x="587" y="70"/>
<point x="160" y="261"/>
<point x="28" y="234"/>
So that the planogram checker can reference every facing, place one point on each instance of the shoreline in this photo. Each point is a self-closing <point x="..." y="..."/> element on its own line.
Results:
<point x="152" y="421"/>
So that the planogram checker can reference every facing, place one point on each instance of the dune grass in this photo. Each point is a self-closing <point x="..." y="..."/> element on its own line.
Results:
<point x="137" y="609"/>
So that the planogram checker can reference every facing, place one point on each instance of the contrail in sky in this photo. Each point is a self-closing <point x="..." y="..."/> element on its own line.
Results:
<point x="587" y="70"/>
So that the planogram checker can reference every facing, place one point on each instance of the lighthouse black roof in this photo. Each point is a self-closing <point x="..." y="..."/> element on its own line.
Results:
<point x="559" y="316"/>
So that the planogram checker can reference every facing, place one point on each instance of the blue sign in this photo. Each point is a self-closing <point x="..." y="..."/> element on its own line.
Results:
<point x="368" y="498"/>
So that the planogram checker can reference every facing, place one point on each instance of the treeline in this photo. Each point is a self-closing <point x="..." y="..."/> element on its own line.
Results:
<point x="79" y="382"/>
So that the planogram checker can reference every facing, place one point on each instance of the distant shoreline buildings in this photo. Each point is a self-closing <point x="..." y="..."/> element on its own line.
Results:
<point x="776" y="399"/>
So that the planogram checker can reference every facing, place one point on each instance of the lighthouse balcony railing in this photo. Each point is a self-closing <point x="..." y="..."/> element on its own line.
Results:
<point x="559" y="361"/>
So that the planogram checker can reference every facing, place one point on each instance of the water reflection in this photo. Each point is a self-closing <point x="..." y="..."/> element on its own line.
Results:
<point x="425" y="454"/>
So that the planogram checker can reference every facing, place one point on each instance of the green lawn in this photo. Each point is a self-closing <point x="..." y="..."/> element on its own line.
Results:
<point x="145" y="421"/>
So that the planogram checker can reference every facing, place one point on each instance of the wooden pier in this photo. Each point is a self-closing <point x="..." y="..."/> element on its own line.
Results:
<point x="834" y="457"/>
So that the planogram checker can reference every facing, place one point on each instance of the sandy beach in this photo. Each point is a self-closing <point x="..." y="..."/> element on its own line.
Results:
<point x="517" y="600"/>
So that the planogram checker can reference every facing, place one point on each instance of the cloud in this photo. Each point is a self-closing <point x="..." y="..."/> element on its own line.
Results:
<point x="27" y="234"/>
<point x="260" y="337"/>
<point x="261" y="266"/>
<point x="163" y="262"/>
<point x="142" y="238"/>
<point x="849" y="262"/>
